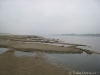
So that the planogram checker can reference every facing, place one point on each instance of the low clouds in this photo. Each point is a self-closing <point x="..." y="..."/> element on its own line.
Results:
<point x="49" y="16"/>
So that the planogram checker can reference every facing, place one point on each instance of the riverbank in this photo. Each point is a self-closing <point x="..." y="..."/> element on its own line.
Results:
<point x="18" y="42"/>
<point x="33" y="65"/>
<point x="27" y="65"/>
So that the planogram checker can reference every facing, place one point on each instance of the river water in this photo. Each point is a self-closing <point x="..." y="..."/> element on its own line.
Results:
<point x="78" y="62"/>
<point x="2" y="50"/>
<point x="93" y="42"/>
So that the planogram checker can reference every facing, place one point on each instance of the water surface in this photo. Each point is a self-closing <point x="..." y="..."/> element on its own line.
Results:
<point x="78" y="62"/>
<point x="93" y="42"/>
<point x="20" y="53"/>
<point x="2" y="50"/>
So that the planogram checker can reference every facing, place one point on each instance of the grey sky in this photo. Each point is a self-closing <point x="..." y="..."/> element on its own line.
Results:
<point x="49" y="16"/>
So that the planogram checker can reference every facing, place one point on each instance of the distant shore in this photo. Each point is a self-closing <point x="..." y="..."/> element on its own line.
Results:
<point x="91" y="35"/>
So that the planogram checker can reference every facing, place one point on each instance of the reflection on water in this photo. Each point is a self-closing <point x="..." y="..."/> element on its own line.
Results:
<point x="79" y="62"/>
<point x="2" y="50"/>
<point x="19" y="53"/>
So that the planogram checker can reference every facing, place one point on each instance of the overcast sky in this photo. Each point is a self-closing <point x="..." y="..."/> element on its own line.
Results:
<point x="49" y="16"/>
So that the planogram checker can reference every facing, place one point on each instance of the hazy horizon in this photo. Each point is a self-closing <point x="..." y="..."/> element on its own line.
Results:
<point x="36" y="17"/>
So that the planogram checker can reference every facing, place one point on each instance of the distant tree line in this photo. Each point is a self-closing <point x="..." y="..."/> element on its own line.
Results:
<point x="97" y="34"/>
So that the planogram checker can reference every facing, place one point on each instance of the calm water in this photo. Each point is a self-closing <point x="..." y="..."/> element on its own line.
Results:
<point x="2" y="50"/>
<point x="19" y="53"/>
<point x="78" y="62"/>
<point x="94" y="42"/>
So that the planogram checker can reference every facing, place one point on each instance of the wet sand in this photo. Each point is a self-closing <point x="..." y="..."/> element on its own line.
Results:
<point x="29" y="47"/>
<point x="9" y="41"/>
<point x="27" y="65"/>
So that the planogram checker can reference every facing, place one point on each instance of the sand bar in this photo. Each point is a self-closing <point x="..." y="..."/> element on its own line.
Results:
<point x="9" y="41"/>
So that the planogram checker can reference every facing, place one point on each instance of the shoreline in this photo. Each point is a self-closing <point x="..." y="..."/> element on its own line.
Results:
<point x="27" y="47"/>
<point x="28" y="65"/>
<point x="9" y="41"/>
<point x="34" y="65"/>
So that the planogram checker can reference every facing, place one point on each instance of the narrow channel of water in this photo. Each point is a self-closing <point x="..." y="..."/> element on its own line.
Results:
<point x="57" y="44"/>
<point x="85" y="47"/>
<point x="50" y="44"/>
<point x="27" y="42"/>
<point x="20" y="53"/>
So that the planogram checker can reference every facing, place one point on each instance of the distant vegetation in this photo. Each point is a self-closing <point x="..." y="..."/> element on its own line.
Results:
<point x="97" y="34"/>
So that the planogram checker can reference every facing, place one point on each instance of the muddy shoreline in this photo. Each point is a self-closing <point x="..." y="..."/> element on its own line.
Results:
<point x="28" y="65"/>
<point x="18" y="42"/>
